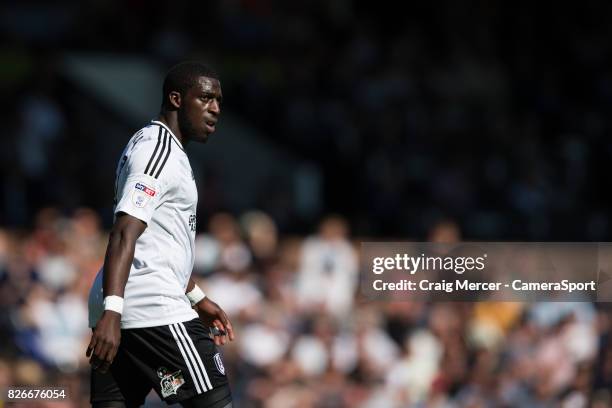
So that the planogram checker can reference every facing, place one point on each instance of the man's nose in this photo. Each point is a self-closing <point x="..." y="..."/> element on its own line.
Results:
<point x="214" y="107"/>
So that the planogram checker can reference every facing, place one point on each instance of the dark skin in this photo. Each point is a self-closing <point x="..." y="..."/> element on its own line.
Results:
<point x="192" y="116"/>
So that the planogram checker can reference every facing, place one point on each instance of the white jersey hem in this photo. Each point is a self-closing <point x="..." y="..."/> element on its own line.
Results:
<point x="139" y="324"/>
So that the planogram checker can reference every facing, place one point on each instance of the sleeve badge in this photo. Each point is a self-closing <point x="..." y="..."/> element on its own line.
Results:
<point x="142" y="194"/>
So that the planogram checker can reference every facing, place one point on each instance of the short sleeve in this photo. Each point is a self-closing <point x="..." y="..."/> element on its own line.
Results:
<point x="140" y="196"/>
<point x="140" y="182"/>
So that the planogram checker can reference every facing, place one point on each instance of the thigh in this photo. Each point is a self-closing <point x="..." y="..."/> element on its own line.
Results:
<point x="123" y="384"/>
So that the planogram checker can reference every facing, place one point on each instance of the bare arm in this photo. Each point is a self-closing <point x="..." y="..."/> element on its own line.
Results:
<point x="120" y="253"/>
<point x="119" y="256"/>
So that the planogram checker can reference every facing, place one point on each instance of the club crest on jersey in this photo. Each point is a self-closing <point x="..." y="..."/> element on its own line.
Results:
<point x="170" y="382"/>
<point x="219" y="363"/>
<point x="142" y="194"/>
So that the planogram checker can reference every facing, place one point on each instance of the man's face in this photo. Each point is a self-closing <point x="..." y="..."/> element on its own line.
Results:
<point x="200" y="109"/>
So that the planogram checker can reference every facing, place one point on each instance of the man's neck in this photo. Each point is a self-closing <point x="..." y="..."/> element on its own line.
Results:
<point x="169" y="119"/>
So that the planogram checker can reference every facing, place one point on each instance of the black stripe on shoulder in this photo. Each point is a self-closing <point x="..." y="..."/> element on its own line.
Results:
<point x="154" y="151"/>
<point x="161" y="124"/>
<point x="165" y="158"/>
<point x="161" y="153"/>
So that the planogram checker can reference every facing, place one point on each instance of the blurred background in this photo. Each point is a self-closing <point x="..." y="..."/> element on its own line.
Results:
<point x="343" y="121"/>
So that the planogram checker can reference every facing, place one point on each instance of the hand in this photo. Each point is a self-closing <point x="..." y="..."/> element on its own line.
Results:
<point x="105" y="341"/>
<point x="213" y="316"/>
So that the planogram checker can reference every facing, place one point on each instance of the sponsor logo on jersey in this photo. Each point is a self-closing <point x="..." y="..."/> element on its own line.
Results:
<point x="147" y="190"/>
<point x="219" y="363"/>
<point x="170" y="382"/>
<point x="192" y="222"/>
<point x="142" y="194"/>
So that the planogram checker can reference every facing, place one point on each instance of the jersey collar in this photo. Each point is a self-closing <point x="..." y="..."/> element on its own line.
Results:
<point x="162" y="124"/>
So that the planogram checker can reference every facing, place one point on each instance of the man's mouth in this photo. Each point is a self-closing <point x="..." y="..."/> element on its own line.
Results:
<point x="210" y="125"/>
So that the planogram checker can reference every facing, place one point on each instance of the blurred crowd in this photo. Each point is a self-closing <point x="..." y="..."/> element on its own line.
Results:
<point x="306" y="337"/>
<point x="494" y="114"/>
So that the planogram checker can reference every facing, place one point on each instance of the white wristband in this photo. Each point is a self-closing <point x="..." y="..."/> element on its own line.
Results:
<point x="196" y="295"/>
<point x="114" y="303"/>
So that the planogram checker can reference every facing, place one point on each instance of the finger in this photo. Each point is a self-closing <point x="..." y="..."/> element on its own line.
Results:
<point x="105" y="357"/>
<point x="224" y="321"/>
<point x="230" y="332"/>
<point x="98" y="347"/>
<point x="218" y="333"/>
<point x="110" y="355"/>
<point x="99" y="350"/>
<point x="101" y="355"/>
<point x="91" y="346"/>
<point x="229" y="329"/>
<point x="217" y="327"/>
<point x="96" y="352"/>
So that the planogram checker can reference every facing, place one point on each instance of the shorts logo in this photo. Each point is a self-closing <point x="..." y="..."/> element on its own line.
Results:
<point x="169" y="382"/>
<point x="192" y="222"/>
<point x="142" y="194"/>
<point x="219" y="363"/>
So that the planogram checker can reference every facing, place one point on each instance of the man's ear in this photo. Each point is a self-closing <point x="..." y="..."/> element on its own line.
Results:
<point x="175" y="99"/>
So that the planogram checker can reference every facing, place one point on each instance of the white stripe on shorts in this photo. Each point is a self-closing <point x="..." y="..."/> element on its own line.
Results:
<point x="199" y="384"/>
<point x="197" y="355"/>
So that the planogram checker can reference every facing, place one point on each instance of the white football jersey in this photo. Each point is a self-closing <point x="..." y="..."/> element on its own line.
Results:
<point x="155" y="184"/>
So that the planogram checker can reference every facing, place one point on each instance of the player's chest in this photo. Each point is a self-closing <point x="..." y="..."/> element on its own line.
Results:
<point x="186" y="188"/>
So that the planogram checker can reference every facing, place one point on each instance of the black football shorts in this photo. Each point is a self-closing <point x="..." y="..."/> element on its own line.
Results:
<point x="180" y="361"/>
